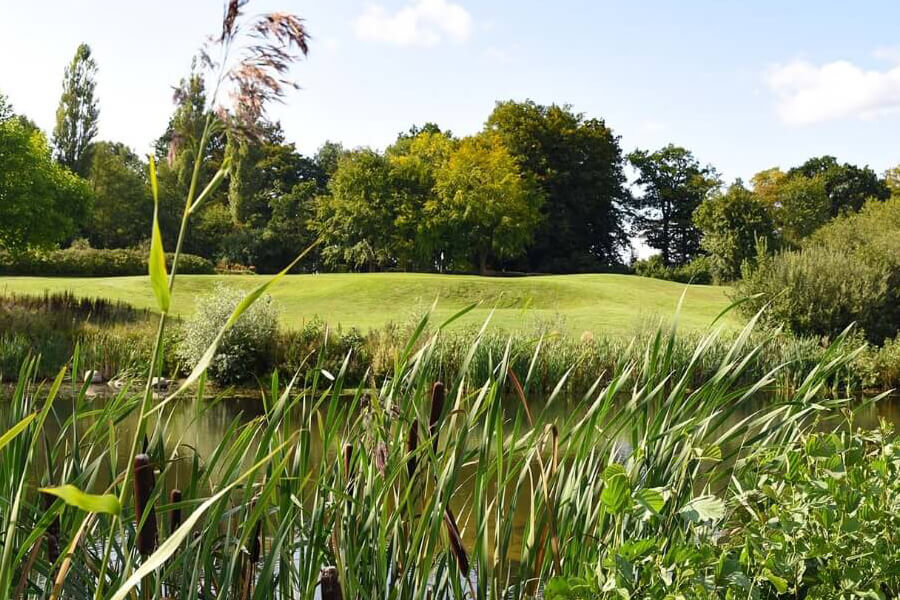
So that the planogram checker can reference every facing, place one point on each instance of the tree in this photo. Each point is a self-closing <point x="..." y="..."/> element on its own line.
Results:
<point x="488" y="208"/>
<point x="356" y="219"/>
<point x="732" y="223"/>
<point x="77" y="115"/>
<point x="6" y="110"/>
<point x="892" y="181"/>
<point x="799" y="204"/>
<point x="674" y="184"/>
<point x="41" y="203"/>
<point x="328" y="157"/>
<point x="847" y="186"/>
<point x="579" y="166"/>
<point x="122" y="205"/>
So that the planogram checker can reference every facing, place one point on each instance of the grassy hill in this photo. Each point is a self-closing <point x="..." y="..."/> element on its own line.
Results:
<point x="601" y="303"/>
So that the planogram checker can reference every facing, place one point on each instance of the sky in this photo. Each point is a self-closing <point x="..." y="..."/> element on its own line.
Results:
<point x="744" y="85"/>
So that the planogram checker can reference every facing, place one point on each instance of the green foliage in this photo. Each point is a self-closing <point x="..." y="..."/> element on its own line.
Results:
<point x="673" y="185"/>
<point x="578" y="164"/>
<point x="698" y="271"/>
<point x="41" y="203"/>
<point x="732" y="223"/>
<point x="847" y="186"/>
<point x="488" y="208"/>
<point x="848" y="272"/>
<point x="120" y="213"/>
<point x="78" y="113"/>
<point x="92" y="262"/>
<point x="246" y="348"/>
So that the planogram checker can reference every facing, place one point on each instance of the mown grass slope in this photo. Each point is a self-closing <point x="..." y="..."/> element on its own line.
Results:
<point x="598" y="303"/>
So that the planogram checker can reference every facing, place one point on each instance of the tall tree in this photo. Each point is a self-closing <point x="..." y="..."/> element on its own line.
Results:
<point x="78" y="112"/>
<point x="799" y="204"/>
<point x="579" y="165"/>
<point x="847" y="186"/>
<point x="6" y="111"/>
<point x="673" y="185"/>
<point x="41" y="203"/>
<point x="488" y="207"/>
<point x="732" y="223"/>
<point x="122" y="206"/>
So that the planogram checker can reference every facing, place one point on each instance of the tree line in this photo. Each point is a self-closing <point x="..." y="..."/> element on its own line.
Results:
<point x="541" y="188"/>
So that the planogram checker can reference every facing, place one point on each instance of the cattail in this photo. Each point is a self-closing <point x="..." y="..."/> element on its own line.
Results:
<point x="412" y="442"/>
<point x="456" y="545"/>
<point x="348" y="471"/>
<point x="437" y="409"/>
<point x="143" y="488"/>
<point x="331" y="585"/>
<point x="256" y="540"/>
<point x="175" y="518"/>
<point x="52" y="531"/>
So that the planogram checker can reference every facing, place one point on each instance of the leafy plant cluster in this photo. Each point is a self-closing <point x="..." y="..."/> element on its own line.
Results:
<point x="815" y="518"/>
<point x="92" y="262"/>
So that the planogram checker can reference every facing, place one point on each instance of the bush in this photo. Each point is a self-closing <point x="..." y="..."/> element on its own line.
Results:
<point x="246" y="349"/>
<point x="697" y="271"/>
<point x="849" y="271"/>
<point x="92" y="262"/>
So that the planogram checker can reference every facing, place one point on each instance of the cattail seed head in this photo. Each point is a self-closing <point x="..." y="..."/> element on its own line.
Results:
<point x="175" y="518"/>
<point x="412" y="442"/>
<point x="144" y="482"/>
<point x="331" y="585"/>
<point x="437" y="409"/>
<point x="52" y="530"/>
<point x="456" y="545"/>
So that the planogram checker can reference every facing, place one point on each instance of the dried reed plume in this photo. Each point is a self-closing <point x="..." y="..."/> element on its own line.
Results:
<point x="143" y="489"/>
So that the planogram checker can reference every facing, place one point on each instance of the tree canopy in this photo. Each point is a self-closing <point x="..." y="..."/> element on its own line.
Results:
<point x="78" y="113"/>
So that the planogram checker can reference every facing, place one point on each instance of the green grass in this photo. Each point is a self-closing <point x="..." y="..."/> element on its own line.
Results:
<point x="602" y="304"/>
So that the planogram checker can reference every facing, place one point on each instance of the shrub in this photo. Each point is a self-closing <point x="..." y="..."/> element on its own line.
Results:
<point x="697" y="271"/>
<point x="245" y="350"/>
<point x="849" y="271"/>
<point x="92" y="262"/>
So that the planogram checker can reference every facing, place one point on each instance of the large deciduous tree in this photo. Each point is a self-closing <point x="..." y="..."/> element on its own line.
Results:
<point x="579" y="165"/>
<point x="733" y="223"/>
<point x="847" y="186"/>
<point x="488" y="207"/>
<point x="41" y="203"/>
<point x="799" y="204"/>
<point x="78" y="112"/>
<point x="673" y="185"/>
<point x="123" y="206"/>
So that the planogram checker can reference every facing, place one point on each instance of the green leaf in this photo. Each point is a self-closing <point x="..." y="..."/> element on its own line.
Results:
<point x="15" y="430"/>
<point x="651" y="500"/>
<point x="779" y="582"/>
<point x="168" y="547"/>
<point x="93" y="503"/>
<point x="703" y="508"/>
<point x="159" y="279"/>
<point x="617" y="489"/>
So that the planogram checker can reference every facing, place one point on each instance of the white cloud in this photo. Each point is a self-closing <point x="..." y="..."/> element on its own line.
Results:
<point x="421" y="23"/>
<point x="889" y="54"/>
<point x="809" y="93"/>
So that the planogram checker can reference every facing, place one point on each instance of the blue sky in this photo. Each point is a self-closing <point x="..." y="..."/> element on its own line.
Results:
<point x="744" y="85"/>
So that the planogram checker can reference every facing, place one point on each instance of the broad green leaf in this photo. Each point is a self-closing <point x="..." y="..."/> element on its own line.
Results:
<point x="703" y="508"/>
<point x="15" y="430"/>
<point x="651" y="500"/>
<point x="779" y="583"/>
<point x="93" y="503"/>
<point x="159" y="279"/>
<point x="617" y="489"/>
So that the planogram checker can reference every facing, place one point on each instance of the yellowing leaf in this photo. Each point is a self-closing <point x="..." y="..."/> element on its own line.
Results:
<point x="15" y="430"/>
<point x="159" y="279"/>
<point x="93" y="503"/>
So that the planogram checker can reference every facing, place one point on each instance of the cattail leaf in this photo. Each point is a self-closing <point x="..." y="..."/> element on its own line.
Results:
<point x="211" y="187"/>
<point x="92" y="503"/>
<point x="159" y="279"/>
<point x="242" y="306"/>
<point x="165" y="550"/>
<point x="16" y="429"/>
